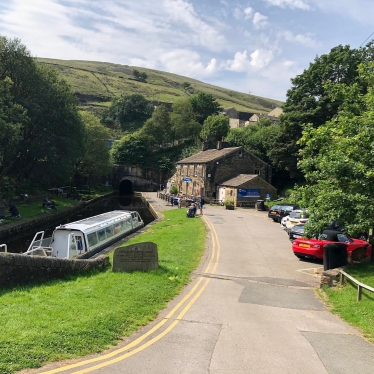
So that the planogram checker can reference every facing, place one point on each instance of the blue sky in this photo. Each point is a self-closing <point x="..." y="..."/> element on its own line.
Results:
<point x="253" y="46"/>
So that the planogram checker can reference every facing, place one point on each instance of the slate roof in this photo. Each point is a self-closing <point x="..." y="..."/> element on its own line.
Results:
<point x="238" y="180"/>
<point x="275" y="112"/>
<point x="208" y="155"/>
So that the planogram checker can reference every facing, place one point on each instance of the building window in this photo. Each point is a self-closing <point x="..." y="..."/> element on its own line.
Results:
<point x="203" y="170"/>
<point x="182" y="170"/>
<point x="195" y="170"/>
<point x="257" y="172"/>
<point x="193" y="188"/>
<point x="188" y="171"/>
<point x="240" y="154"/>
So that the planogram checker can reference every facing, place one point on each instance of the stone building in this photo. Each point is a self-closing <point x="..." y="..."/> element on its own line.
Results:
<point x="203" y="172"/>
<point x="236" y="118"/>
<point x="273" y="116"/>
<point x="246" y="189"/>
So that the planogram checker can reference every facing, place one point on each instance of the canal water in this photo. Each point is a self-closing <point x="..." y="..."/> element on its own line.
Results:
<point x="130" y="202"/>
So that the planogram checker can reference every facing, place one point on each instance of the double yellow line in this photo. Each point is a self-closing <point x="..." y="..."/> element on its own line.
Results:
<point x="135" y="347"/>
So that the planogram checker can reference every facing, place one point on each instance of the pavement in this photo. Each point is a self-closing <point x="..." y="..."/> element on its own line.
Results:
<point x="251" y="307"/>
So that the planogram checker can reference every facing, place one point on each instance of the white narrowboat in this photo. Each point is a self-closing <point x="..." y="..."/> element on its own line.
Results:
<point x="86" y="237"/>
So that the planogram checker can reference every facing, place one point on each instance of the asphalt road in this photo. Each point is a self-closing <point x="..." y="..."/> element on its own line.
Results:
<point x="250" y="308"/>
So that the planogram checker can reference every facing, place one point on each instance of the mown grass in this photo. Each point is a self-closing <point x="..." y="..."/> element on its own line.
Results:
<point x="343" y="300"/>
<point x="32" y="209"/>
<point x="88" y="313"/>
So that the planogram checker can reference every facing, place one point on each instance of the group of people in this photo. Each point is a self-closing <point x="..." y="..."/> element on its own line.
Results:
<point x="191" y="212"/>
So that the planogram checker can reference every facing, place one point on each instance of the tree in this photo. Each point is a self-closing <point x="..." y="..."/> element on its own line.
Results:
<point x="95" y="159"/>
<point x="44" y="109"/>
<point x="308" y="102"/>
<point x="158" y="127"/>
<point x="184" y="125"/>
<point x="215" y="128"/>
<point x="204" y="105"/>
<point x="13" y="117"/>
<point x="130" y="112"/>
<point x="132" y="149"/>
<point x="337" y="161"/>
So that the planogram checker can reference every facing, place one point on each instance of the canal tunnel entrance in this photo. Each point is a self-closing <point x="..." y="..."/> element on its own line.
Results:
<point x="126" y="187"/>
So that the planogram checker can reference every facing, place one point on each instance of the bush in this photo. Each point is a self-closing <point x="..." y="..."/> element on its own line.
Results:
<point x="174" y="190"/>
<point x="229" y="203"/>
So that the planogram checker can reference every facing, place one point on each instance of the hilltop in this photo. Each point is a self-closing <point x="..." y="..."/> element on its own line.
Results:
<point x="97" y="83"/>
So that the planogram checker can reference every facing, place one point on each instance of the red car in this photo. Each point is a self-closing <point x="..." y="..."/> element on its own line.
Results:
<point x="313" y="248"/>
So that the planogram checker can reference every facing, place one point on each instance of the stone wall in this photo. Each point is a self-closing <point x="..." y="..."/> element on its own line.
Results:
<point x="18" y="269"/>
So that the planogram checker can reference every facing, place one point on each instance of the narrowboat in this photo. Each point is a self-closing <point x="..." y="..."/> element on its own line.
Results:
<point x="86" y="237"/>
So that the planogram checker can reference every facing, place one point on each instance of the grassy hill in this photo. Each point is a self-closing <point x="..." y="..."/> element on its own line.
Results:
<point x="97" y="83"/>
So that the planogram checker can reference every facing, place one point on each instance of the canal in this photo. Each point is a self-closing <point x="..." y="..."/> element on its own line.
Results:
<point x="107" y="204"/>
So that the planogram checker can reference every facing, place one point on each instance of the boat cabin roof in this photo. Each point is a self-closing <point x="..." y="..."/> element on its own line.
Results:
<point x="95" y="222"/>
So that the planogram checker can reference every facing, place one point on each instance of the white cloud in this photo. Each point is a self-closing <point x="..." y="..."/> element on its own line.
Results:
<point x="248" y="12"/>
<point x="241" y="63"/>
<point x="204" y="34"/>
<point x="306" y="40"/>
<point x="290" y="4"/>
<point x="261" y="58"/>
<point x="187" y="63"/>
<point x="259" y="21"/>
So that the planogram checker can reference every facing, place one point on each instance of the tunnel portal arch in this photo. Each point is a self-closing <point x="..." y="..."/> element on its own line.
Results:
<point x="126" y="187"/>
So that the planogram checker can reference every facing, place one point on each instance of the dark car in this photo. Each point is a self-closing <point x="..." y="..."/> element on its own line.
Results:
<point x="277" y="212"/>
<point x="296" y="232"/>
<point x="273" y="211"/>
<point x="286" y="210"/>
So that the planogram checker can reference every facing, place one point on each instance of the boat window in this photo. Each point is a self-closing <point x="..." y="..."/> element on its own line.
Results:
<point x="92" y="239"/>
<point x="109" y="231"/>
<point x="117" y="228"/>
<point x="101" y="235"/>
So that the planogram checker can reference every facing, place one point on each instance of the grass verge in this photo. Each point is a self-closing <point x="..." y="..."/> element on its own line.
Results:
<point x="89" y="313"/>
<point x="343" y="300"/>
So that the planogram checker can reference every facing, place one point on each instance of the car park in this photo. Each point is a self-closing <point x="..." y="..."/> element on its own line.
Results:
<point x="314" y="247"/>
<point x="296" y="217"/>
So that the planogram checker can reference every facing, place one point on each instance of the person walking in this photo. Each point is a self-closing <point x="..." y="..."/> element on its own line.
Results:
<point x="201" y="204"/>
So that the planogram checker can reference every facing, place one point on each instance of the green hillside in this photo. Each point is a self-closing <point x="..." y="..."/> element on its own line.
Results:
<point x="96" y="83"/>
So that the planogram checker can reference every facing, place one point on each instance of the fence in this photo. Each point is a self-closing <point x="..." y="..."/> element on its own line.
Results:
<point x="360" y="285"/>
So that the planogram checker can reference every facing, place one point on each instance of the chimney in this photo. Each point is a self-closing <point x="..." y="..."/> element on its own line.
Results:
<point x="221" y="144"/>
<point x="205" y="145"/>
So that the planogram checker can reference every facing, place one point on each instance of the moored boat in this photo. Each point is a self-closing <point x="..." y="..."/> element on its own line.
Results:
<point x="86" y="237"/>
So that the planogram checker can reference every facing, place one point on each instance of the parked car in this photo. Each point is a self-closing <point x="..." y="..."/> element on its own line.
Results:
<point x="313" y="248"/>
<point x="296" y="232"/>
<point x="278" y="211"/>
<point x="285" y="210"/>
<point x="283" y="222"/>
<point x="296" y="217"/>
<point x="335" y="225"/>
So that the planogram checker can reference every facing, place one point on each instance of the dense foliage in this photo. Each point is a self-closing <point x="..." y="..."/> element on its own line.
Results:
<point x="40" y="128"/>
<point x="337" y="158"/>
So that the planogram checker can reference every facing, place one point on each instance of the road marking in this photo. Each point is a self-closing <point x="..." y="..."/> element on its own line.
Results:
<point x="215" y="254"/>
<point x="316" y="272"/>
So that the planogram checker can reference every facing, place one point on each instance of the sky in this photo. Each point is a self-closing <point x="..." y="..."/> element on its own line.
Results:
<point x="251" y="46"/>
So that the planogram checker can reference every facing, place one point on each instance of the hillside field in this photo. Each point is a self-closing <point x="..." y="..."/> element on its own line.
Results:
<point x="97" y="83"/>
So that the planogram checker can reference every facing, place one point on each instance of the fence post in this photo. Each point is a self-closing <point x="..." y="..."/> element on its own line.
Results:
<point x="341" y="279"/>
<point x="359" y="292"/>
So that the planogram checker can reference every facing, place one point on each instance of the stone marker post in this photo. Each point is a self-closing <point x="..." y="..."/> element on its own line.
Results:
<point x="141" y="256"/>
